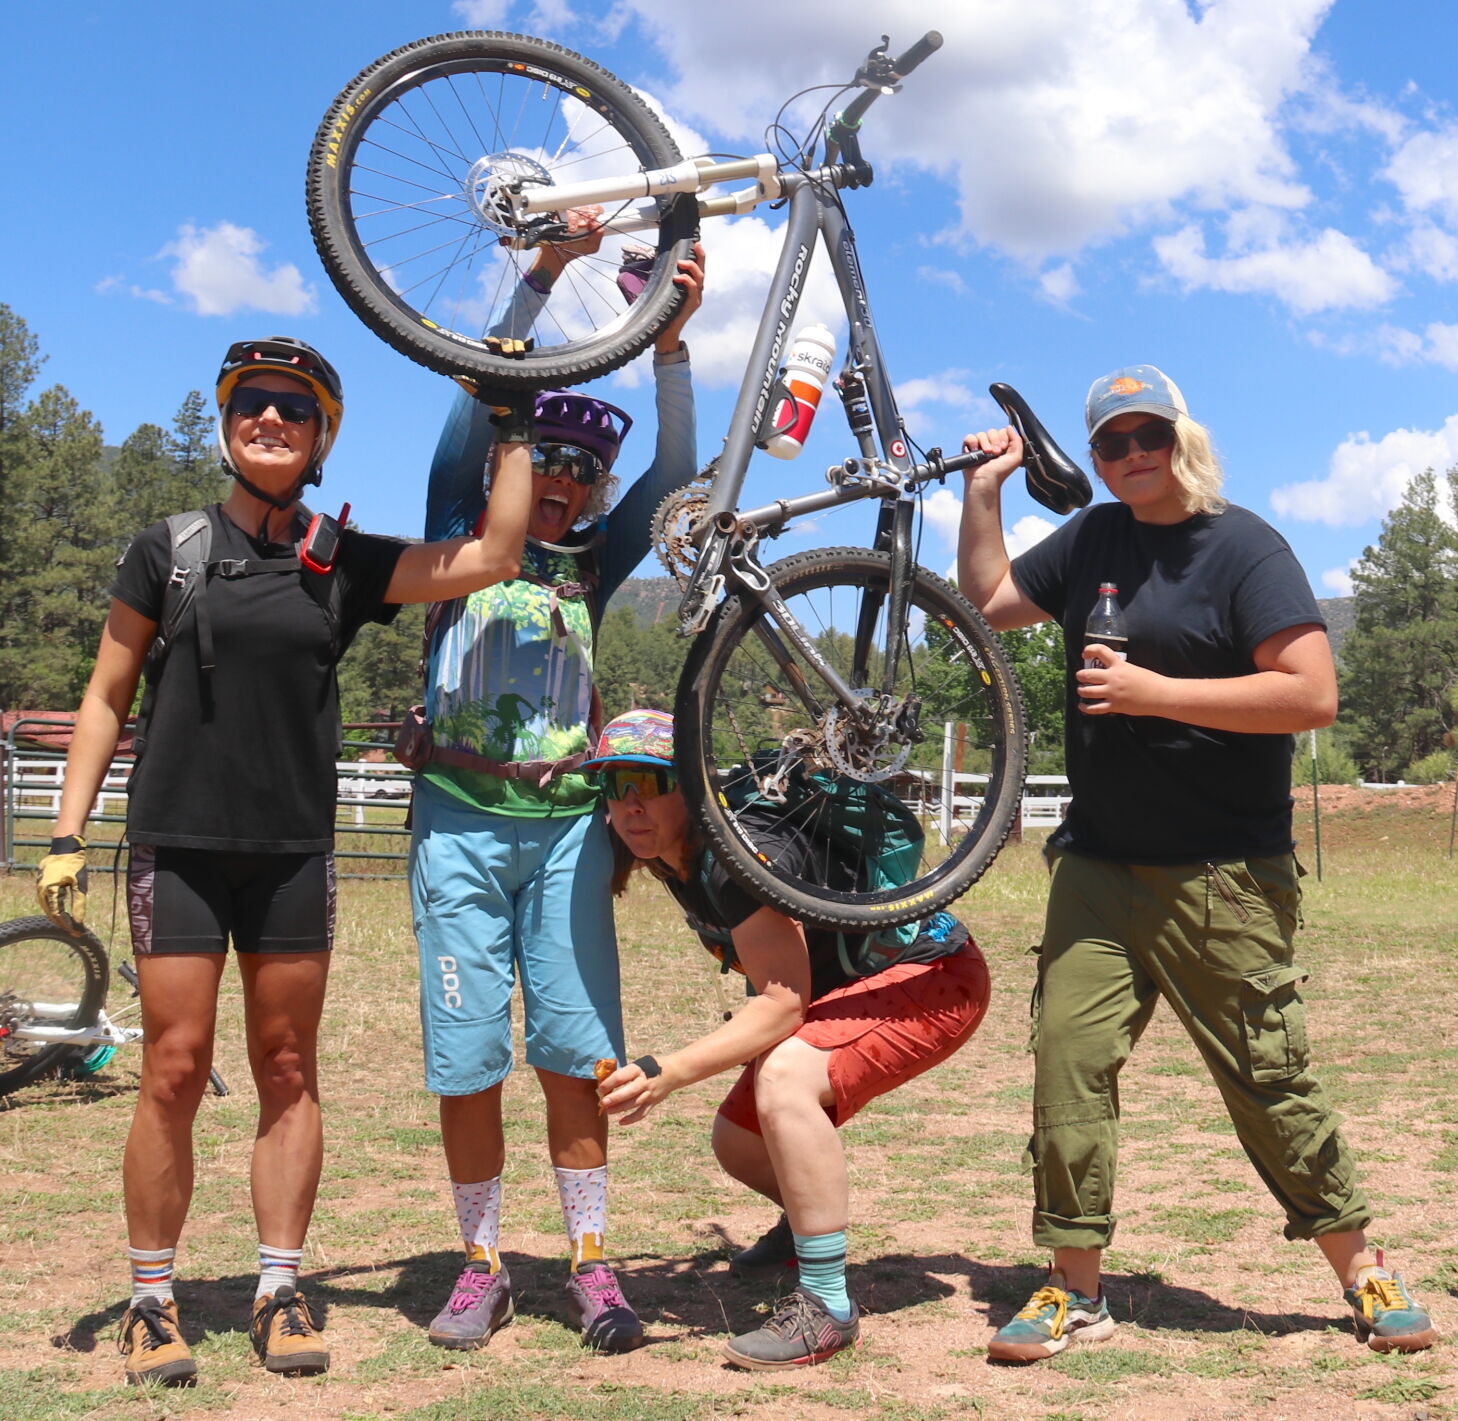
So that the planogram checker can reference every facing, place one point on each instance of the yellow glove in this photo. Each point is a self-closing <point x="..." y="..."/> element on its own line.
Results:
<point x="60" y="884"/>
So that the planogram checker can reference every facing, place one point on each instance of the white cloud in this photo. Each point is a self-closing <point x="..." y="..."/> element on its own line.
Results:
<point x="1338" y="580"/>
<point x="942" y="511"/>
<point x="1424" y="170"/>
<point x="218" y="270"/>
<point x="1328" y="272"/>
<point x="1027" y="531"/>
<point x="1436" y="345"/>
<point x="481" y="14"/>
<point x="1087" y="118"/>
<point x="1059" y="284"/>
<point x="109" y="284"/>
<point x="1429" y="249"/>
<point x="948" y="387"/>
<point x="1367" y="478"/>
<point x="942" y="277"/>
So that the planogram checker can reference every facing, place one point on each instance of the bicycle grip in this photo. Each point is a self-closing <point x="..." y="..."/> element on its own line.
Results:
<point x="1052" y="477"/>
<point x="923" y="49"/>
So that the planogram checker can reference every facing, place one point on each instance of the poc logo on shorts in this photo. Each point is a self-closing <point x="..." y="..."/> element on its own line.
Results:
<point x="450" y="982"/>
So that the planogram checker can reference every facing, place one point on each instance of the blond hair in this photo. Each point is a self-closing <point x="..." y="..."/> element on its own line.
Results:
<point x="1196" y="467"/>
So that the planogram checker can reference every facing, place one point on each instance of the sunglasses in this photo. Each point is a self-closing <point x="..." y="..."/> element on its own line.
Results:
<point x="646" y="781"/>
<point x="1151" y="438"/>
<point x="582" y="466"/>
<point x="250" y="401"/>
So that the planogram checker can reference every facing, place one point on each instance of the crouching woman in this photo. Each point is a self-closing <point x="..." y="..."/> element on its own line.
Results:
<point x="815" y="1043"/>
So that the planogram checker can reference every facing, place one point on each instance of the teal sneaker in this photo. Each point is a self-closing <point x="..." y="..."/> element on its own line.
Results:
<point x="1386" y="1317"/>
<point x="1052" y="1319"/>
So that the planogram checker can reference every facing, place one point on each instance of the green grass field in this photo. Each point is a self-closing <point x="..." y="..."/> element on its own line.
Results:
<point x="1220" y="1317"/>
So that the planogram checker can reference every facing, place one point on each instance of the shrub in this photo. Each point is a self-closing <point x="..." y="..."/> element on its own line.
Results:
<point x="1432" y="769"/>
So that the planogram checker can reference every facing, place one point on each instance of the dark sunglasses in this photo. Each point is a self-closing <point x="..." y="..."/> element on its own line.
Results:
<point x="646" y="781"/>
<point x="250" y="401"/>
<point x="1151" y="438"/>
<point x="582" y="466"/>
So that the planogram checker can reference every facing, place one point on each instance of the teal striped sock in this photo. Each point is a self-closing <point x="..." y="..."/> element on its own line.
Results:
<point x="822" y="1270"/>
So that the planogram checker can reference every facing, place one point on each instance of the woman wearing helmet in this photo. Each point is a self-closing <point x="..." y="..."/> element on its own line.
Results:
<point x="510" y="864"/>
<point x="231" y="811"/>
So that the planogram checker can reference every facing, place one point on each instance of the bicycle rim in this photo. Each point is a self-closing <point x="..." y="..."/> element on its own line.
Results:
<point x="738" y="698"/>
<point x="405" y="203"/>
<point x="46" y="978"/>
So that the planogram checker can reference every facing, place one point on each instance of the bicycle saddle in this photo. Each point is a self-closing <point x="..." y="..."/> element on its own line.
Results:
<point x="1053" y="478"/>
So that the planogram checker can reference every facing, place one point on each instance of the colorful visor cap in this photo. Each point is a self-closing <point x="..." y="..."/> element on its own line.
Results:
<point x="1136" y="389"/>
<point x="641" y="736"/>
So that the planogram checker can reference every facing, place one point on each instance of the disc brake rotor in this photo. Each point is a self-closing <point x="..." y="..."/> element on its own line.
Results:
<point x="866" y="755"/>
<point x="489" y="192"/>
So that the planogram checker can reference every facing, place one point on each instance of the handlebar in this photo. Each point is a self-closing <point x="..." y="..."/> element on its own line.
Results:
<point x="923" y="49"/>
<point x="880" y="74"/>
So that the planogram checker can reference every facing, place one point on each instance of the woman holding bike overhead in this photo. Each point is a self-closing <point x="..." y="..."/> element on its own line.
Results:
<point x="231" y="808"/>
<point x="510" y="865"/>
<point x="1173" y="874"/>
<point x="816" y="1041"/>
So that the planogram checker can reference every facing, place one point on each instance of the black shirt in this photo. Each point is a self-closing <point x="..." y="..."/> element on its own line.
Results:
<point x="725" y="905"/>
<point x="251" y="768"/>
<point x="1199" y="597"/>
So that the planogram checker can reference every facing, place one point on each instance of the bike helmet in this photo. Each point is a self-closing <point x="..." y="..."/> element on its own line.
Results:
<point x="283" y="355"/>
<point x="565" y="417"/>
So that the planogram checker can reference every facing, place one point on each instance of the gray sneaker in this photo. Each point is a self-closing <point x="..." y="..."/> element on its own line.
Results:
<point x="771" y="1256"/>
<point x="801" y="1333"/>
<point x="603" y="1313"/>
<point x="479" y="1304"/>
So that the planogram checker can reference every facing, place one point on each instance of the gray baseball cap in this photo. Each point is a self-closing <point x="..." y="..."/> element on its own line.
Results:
<point x="1134" y="389"/>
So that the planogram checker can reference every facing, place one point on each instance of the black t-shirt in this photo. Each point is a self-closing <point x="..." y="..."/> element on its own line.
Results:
<point x="1199" y="597"/>
<point x="251" y="768"/>
<point x="725" y="905"/>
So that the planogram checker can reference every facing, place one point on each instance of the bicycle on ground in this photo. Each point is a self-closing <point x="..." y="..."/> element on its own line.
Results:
<point x="53" y="1017"/>
<point x="835" y="675"/>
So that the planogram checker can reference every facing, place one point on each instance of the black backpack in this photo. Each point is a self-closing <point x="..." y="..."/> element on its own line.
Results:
<point x="186" y="590"/>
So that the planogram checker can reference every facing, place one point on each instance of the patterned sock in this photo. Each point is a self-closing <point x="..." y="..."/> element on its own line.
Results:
<point x="583" y="1193"/>
<point x="151" y="1272"/>
<point x="277" y="1268"/>
<point x="478" y="1210"/>
<point x="822" y="1270"/>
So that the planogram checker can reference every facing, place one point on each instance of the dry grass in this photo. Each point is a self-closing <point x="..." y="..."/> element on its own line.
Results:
<point x="1221" y="1317"/>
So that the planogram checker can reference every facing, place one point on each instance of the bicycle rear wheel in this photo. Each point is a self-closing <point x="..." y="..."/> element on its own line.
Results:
<point x="47" y="978"/>
<point x="408" y="201"/>
<point x="746" y="692"/>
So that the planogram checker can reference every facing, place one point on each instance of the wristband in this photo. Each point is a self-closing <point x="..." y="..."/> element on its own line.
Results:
<point x="672" y="357"/>
<point x="68" y="844"/>
<point x="649" y="1066"/>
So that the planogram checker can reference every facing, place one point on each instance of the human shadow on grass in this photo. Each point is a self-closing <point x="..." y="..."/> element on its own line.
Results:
<point x="695" y="1295"/>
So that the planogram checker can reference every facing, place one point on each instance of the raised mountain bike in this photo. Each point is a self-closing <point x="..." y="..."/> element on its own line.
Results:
<point x="846" y="681"/>
<point x="53" y="1017"/>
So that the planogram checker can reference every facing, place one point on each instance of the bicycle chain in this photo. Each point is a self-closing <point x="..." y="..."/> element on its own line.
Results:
<point x="674" y="522"/>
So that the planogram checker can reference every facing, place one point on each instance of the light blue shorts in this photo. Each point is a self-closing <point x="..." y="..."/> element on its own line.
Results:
<point x="492" y="895"/>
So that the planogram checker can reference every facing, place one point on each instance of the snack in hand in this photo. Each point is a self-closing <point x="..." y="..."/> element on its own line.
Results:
<point x="602" y="1070"/>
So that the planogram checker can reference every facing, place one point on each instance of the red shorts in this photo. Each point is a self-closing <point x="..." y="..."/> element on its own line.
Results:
<point x="882" y="1031"/>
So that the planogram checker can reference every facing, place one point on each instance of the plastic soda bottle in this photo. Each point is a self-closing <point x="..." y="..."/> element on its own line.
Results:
<point x="807" y="368"/>
<point x="1105" y="626"/>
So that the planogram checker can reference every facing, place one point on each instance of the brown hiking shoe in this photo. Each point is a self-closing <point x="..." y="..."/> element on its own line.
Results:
<point x="153" y="1346"/>
<point x="285" y="1334"/>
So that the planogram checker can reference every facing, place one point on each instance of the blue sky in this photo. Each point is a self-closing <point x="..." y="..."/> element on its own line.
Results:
<point x="1260" y="196"/>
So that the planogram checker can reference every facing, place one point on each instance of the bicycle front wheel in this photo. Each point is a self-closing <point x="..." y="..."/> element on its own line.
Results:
<point x="409" y="186"/>
<point x="47" y="979"/>
<point x="953" y="724"/>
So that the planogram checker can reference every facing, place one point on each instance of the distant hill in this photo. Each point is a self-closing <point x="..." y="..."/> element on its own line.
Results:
<point x="1341" y="617"/>
<point x="651" y="599"/>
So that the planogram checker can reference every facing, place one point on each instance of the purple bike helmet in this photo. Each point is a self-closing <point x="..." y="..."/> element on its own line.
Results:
<point x="565" y="417"/>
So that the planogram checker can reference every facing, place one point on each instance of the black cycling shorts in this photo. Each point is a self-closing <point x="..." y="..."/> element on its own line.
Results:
<point x="194" y="900"/>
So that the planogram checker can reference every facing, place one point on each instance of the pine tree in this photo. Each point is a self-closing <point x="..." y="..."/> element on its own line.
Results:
<point x="1400" y="662"/>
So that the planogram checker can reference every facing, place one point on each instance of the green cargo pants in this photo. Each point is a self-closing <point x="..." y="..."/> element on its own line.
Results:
<point x="1215" y="940"/>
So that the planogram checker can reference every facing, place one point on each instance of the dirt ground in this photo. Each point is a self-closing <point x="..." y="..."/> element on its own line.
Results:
<point x="1219" y="1316"/>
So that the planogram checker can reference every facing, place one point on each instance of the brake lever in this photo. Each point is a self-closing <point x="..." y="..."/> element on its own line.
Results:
<point x="1053" y="479"/>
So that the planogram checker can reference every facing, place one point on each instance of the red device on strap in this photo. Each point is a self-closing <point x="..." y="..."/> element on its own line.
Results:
<point x="321" y="543"/>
